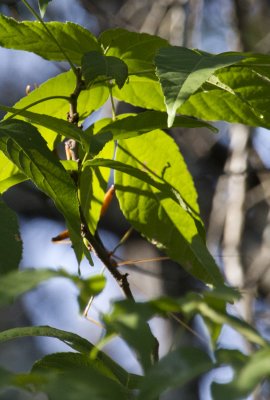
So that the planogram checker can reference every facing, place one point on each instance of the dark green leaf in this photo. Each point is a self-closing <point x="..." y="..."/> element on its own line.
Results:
<point x="127" y="320"/>
<point x="182" y="72"/>
<point x="10" y="243"/>
<point x="71" y="361"/>
<point x="22" y="143"/>
<point x="77" y="343"/>
<point x="173" y="371"/>
<point x="43" y="4"/>
<point x="137" y="50"/>
<point x="71" y="339"/>
<point x="170" y="225"/>
<point x="63" y="128"/>
<point x="84" y="383"/>
<point x="128" y="126"/>
<point x="26" y="382"/>
<point x="95" y="64"/>
<point x="32" y="36"/>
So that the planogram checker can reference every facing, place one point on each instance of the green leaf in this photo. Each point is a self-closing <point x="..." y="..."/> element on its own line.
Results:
<point x="95" y="64"/>
<point x="71" y="361"/>
<point x="249" y="374"/>
<point x="43" y="4"/>
<point x="240" y="93"/>
<point x="59" y="126"/>
<point x="131" y="125"/>
<point x="22" y="143"/>
<point x="16" y="283"/>
<point x="182" y="72"/>
<point x="212" y="311"/>
<point x="10" y="175"/>
<point x="137" y="50"/>
<point x="169" y="224"/>
<point x="174" y="370"/>
<point x="74" y="341"/>
<point x="10" y="243"/>
<point x="92" y="189"/>
<point x="127" y="321"/>
<point x="77" y="343"/>
<point x="88" y="288"/>
<point x="26" y="382"/>
<point x="32" y="36"/>
<point x="61" y="85"/>
<point x="141" y="91"/>
<point x="84" y="383"/>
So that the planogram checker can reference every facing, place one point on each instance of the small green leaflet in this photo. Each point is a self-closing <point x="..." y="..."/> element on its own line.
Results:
<point x="22" y="143"/>
<point x="10" y="243"/>
<point x="43" y="4"/>
<point x="95" y="64"/>
<point x="182" y="71"/>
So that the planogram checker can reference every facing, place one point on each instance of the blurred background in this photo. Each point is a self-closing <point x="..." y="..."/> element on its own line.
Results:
<point x="230" y="170"/>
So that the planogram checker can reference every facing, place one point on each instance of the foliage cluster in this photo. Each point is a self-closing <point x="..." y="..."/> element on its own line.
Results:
<point x="175" y="86"/>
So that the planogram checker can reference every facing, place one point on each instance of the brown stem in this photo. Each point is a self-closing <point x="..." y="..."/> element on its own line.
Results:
<point x="109" y="262"/>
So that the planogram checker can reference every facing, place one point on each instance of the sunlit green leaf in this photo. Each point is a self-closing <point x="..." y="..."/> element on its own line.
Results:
<point x="182" y="71"/>
<point x="22" y="143"/>
<point x="57" y="125"/>
<point x="61" y="85"/>
<point x="141" y="91"/>
<point x="157" y="216"/>
<point x="95" y="64"/>
<point x="9" y="174"/>
<point x="32" y="36"/>
<point x="10" y="243"/>
<point x="240" y="93"/>
<point x="93" y="186"/>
